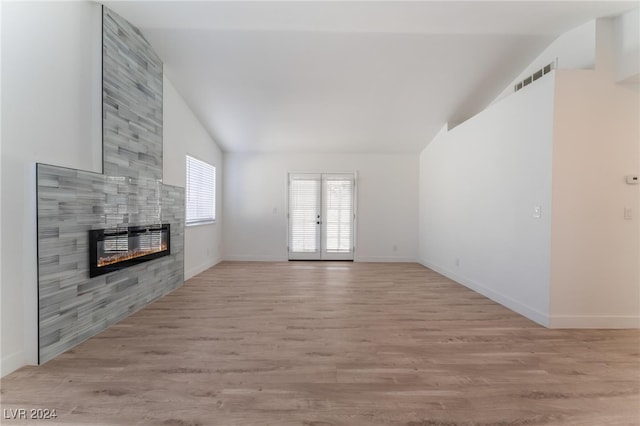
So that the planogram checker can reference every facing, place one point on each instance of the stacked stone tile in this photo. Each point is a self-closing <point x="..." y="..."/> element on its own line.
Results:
<point x="72" y="306"/>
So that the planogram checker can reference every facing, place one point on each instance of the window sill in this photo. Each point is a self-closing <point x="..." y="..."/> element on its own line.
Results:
<point x="208" y="222"/>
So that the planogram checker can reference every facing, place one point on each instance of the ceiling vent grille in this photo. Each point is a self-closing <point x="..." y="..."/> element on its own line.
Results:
<point x="533" y="77"/>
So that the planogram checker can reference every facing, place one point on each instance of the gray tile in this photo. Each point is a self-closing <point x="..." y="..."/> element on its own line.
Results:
<point x="72" y="306"/>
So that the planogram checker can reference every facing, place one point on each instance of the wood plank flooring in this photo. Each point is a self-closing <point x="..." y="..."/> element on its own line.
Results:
<point x="333" y="343"/>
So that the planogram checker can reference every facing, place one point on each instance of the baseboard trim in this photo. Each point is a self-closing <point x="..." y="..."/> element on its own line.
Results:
<point x="252" y="258"/>
<point x="506" y="301"/>
<point x="11" y="363"/>
<point x="192" y="272"/>
<point x="383" y="259"/>
<point x="380" y="259"/>
<point x="595" y="321"/>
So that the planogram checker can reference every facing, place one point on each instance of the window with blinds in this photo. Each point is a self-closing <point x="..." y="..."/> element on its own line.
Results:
<point x="200" y="192"/>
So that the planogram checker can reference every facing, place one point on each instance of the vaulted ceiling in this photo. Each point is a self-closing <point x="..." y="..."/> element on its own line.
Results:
<point x="346" y="76"/>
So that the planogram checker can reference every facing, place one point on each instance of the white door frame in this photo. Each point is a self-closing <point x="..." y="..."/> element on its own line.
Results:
<point x="321" y="253"/>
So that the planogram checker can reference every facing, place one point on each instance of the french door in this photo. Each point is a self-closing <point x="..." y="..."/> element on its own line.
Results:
<point x="321" y="216"/>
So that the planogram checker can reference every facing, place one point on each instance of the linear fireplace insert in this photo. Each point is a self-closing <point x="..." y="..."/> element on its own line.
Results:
<point x="117" y="248"/>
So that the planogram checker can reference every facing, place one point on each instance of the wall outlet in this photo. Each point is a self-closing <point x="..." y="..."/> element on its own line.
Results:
<point x="457" y="262"/>
<point x="537" y="212"/>
<point x="395" y="247"/>
<point x="628" y="213"/>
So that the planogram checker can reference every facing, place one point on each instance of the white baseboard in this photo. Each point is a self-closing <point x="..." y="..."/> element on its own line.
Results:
<point x="192" y="272"/>
<point x="384" y="259"/>
<point x="594" y="321"/>
<point x="506" y="301"/>
<point x="11" y="363"/>
<point x="254" y="258"/>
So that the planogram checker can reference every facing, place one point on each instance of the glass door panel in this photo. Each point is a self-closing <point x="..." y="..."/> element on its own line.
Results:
<point x="304" y="216"/>
<point x="321" y="216"/>
<point x="337" y="206"/>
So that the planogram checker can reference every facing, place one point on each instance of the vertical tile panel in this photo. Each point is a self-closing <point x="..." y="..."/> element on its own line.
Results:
<point x="132" y="102"/>
<point x="72" y="306"/>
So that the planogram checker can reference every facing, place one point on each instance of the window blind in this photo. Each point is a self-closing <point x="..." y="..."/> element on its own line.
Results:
<point x="338" y="217"/>
<point x="200" y="192"/>
<point x="304" y="209"/>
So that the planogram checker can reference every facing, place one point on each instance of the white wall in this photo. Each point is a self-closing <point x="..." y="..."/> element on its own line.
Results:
<point x="627" y="42"/>
<point x="3" y="365"/>
<point x="595" y="273"/>
<point x="574" y="49"/>
<point x="183" y="134"/>
<point x="51" y="113"/>
<point x="479" y="184"/>
<point x="255" y="193"/>
<point x="592" y="267"/>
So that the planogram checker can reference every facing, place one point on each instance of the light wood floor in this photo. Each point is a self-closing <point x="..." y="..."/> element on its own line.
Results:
<point x="314" y="344"/>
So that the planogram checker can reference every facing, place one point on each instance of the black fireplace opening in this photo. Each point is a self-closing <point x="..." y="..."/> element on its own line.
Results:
<point x="117" y="248"/>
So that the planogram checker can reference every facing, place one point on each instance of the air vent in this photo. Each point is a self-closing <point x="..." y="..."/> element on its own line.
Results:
<point x="533" y="77"/>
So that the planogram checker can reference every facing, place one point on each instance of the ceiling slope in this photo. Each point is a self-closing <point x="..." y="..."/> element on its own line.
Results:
<point x="359" y="76"/>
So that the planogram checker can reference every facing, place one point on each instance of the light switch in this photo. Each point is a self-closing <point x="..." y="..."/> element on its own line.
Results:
<point x="628" y="213"/>
<point x="537" y="212"/>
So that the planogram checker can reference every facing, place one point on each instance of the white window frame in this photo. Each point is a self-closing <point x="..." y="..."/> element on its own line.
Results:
<point x="200" y="192"/>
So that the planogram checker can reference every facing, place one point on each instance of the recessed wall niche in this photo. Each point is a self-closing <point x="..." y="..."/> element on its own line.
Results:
<point x="73" y="307"/>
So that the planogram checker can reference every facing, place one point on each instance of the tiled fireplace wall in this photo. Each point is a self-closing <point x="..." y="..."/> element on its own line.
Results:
<point x="72" y="306"/>
<point x="132" y="101"/>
